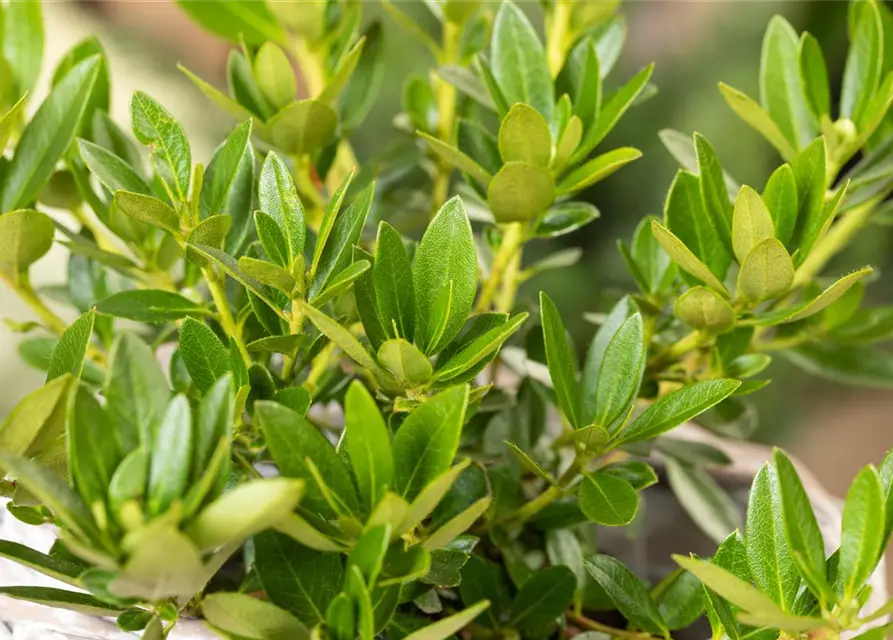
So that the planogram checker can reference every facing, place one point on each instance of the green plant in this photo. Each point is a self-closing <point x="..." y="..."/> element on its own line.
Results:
<point x="420" y="485"/>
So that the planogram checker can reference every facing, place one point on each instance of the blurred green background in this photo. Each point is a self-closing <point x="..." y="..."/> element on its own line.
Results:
<point x="695" y="45"/>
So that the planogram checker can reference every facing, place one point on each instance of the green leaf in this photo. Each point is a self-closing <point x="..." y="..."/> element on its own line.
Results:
<point x="245" y="511"/>
<point x="340" y="336"/>
<point x="205" y="356"/>
<point x="274" y="75"/>
<point x="446" y="627"/>
<point x="53" y="492"/>
<point x="767" y="272"/>
<point x="23" y="42"/>
<point x="821" y="302"/>
<point x="426" y="443"/>
<point x="235" y="20"/>
<point x="561" y="361"/>
<point x="405" y="361"/>
<point x="729" y="586"/>
<point x="814" y="72"/>
<point x="608" y="499"/>
<point x="706" y="503"/>
<point x="341" y="75"/>
<point x="524" y="137"/>
<point x="862" y="531"/>
<point x="479" y="349"/>
<point x="272" y="239"/>
<point x="38" y="420"/>
<point x="445" y="255"/>
<point x="801" y="528"/>
<point x="149" y="305"/>
<point x="597" y="170"/>
<point x="222" y="100"/>
<point x="93" y="449"/>
<point x="714" y="190"/>
<point x="620" y="374"/>
<point x="856" y="365"/>
<point x="519" y="62"/>
<point x="612" y="110"/>
<point x="362" y="88"/>
<point x="702" y="309"/>
<point x="520" y="192"/>
<point x="297" y="579"/>
<point x="543" y="598"/>
<point x="154" y="126"/>
<point x="293" y="441"/>
<point x="268" y="273"/>
<point x="148" y="209"/>
<point x="70" y="351"/>
<point x="112" y="171"/>
<point x="682" y="256"/>
<point x="171" y="463"/>
<point x="862" y="72"/>
<point x="392" y="278"/>
<point x="278" y="198"/>
<point x="61" y="599"/>
<point x="9" y="121"/>
<point x="680" y="601"/>
<point x="568" y="142"/>
<point x="757" y="118"/>
<point x="56" y="567"/>
<point x="337" y="253"/>
<point x="227" y="184"/>
<point x="210" y="232"/>
<point x="769" y="557"/>
<point x="627" y="592"/>
<point x="342" y="282"/>
<point x="453" y="156"/>
<point x="244" y="616"/>
<point x="458" y="525"/>
<point x="594" y="357"/>
<point x="231" y="267"/>
<point x="483" y="580"/>
<point x="809" y="171"/>
<point x="781" y="87"/>
<point x="687" y="219"/>
<point x="682" y="148"/>
<point x="780" y="197"/>
<point x="369" y="444"/>
<point x="677" y="407"/>
<point x="136" y="391"/>
<point x="48" y="134"/>
<point x="303" y="127"/>
<point x="300" y="530"/>
<point x="564" y="218"/>
<point x="751" y="222"/>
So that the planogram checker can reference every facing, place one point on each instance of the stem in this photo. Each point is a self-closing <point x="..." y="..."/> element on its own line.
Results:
<point x="446" y="109"/>
<point x="556" y="38"/>
<point x="592" y="625"/>
<point x="504" y="264"/>
<point x="226" y="317"/>
<point x="296" y="326"/>
<point x="26" y="292"/>
<point x="689" y="343"/>
<point x="837" y="239"/>
<point x="99" y="235"/>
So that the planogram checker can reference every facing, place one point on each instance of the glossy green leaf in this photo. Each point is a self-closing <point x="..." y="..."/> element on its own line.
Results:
<point x="70" y="351"/>
<point x="814" y="72"/>
<point x="113" y="172"/>
<point x="543" y="598"/>
<point x="58" y="568"/>
<point x="93" y="449"/>
<point x="453" y="156"/>
<point x="36" y="421"/>
<point x="340" y="336"/>
<point x="524" y="137"/>
<point x="627" y="592"/>
<point x="48" y="134"/>
<point x="148" y="209"/>
<point x="780" y="197"/>
<point x="862" y="531"/>
<point x="362" y="88"/>
<point x="10" y="119"/>
<point x="862" y="72"/>
<point x="269" y="274"/>
<point x="810" y="173"/>
<point x="769" y="557"/>
<point x="25" y="237"/>
<point x="855" y="365"/>
<point x="608" y="499"/>
<point x="303" y="127"/>
<point x="293" y="441"/>
<point x="702" y="309"/>
<point x="479" y="349"/>
<point x="205" y="356"/>
<point x="369" y="444"/>
<point x="405" y="361"/>
<point x="341" y="282"/>
<point x="597" y="170"/>
<point x="729" y="586"/>
<point x="235" y="20"/>
<point x="392" y="277"/>
<point x="426" y="443"/>
<point x="232" y="107"/>
<point x="562" y="362"/>
<point x="563" y="218"/>
<point x="458" y="525"/>
<point x="149" y="305"/>
<point x="620" y="373"/>
<point x="714" y="190"/>
<point x="228" y="183"/>
<point x="274" y="75"/>
<point x="751" y="222"/>
<point x="278" y="198"/>
<point x="23" y="43"/>
<point x="680" y="599"/>
<point x="243" y="616"/>
<point x="520" y="192"/>
<point x="60" y="599"/>
<point x="678" y="407"/>
<point x="445" y="254"/>
<point x="519" y="62"/>
<point x="758" y="119"/>
<point x="171" y="464"/>
<point x="154" y="126"/>
<point x="767" y="272"/>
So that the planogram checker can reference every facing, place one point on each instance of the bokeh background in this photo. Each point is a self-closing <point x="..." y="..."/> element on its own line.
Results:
<point x="834" y="429"/>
